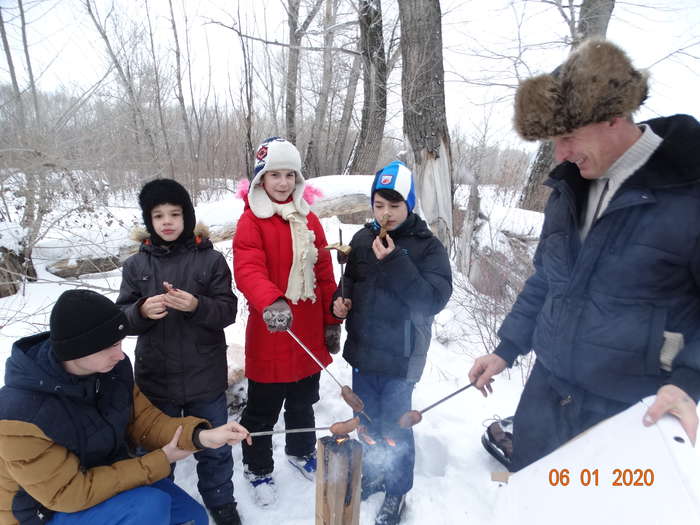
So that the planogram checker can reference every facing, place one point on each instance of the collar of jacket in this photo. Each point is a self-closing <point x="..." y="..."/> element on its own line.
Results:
<point x="32" y="366"/>
<point x="675" y="163"/>
<point x="165" y="250"/>
<point x="199" y="241"/>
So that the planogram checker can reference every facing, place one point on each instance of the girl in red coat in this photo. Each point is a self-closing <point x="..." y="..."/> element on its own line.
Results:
<point x="286" y="276"/>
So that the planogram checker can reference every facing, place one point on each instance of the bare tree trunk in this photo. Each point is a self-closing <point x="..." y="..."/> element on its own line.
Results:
<point x="32" y="213"/>
<point x="593" y="19"/>
<point x="338" y="162"/>
<point x="21" y="122"/>
<point x="198" y="115"/>
<point x="369" y="141"/>
<point x="425" y="122"/>
<point x="30" y="71"/>
<point x="180" y="94"/>
<point x="159" y="102"/>
<point x="247" y="101"/>
<point x="125" y="80"/>
<point x="312" y="162"/>
<point x="464" y="246"/>
<point x="296" y="32"/>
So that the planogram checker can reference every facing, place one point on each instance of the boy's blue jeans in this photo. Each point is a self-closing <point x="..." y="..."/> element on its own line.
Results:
<point x="386" y="398"/>
<point x="162" y="503"/>
<point x="214" y="466"/>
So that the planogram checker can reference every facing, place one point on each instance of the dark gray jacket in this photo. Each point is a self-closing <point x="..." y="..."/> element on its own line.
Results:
<point x="182" y="357"/>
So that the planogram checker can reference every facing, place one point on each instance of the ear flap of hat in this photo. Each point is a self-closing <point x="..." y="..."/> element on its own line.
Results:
<point x="537" y="102"/>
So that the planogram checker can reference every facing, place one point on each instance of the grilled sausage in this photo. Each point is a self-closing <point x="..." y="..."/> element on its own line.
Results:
<point x="352" y="399"/>
<point x="410" y="418"/>
<point x="345" y="427"/>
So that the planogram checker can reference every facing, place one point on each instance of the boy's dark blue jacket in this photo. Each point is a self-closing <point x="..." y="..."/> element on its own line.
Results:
<point x="595" y="312"/>
<point x="66" y="438"/>
<point x="394" y="300"/>
<point x="182" y="357"/>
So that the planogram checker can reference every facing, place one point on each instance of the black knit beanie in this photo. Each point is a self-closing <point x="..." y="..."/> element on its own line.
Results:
<point x="84" y="322"/>
<point x="166" y="191"/>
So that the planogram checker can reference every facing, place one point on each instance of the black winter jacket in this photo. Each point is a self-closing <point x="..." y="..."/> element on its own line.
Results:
<point x="595" y="312"/>
<point x="182" y="357"/>
<point x="394" y="300"/>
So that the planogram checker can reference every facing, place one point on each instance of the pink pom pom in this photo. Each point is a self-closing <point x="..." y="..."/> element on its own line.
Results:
<point x="242" y="188"/>
<point x="311" y="193"/>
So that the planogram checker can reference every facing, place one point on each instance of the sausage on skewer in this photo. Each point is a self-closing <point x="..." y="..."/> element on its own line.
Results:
<point x="345" y="427"/>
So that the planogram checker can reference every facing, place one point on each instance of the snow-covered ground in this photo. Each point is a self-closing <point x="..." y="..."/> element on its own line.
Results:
<point x="452" y="478"/>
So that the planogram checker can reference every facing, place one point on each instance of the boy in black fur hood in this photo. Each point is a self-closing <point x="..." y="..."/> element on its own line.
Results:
<point x="177" y="295"/>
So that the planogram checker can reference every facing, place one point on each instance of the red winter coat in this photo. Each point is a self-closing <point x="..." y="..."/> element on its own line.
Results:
<point x="262" y="258"/>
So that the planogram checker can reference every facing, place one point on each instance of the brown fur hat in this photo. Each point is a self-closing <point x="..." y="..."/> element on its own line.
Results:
<point x="596" y="83"/>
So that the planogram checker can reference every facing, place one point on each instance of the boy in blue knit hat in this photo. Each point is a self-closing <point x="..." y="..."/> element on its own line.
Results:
<point x="397" y="278"/>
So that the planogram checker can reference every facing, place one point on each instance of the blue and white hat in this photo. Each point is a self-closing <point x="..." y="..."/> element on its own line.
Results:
<point x="396" y="176"/>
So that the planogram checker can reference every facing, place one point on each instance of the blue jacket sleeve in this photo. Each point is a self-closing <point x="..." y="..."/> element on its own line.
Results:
<point x="685" y="371"/>
<point x="519" y="325"/>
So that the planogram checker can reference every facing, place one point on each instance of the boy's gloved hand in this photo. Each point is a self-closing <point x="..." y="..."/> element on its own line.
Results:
<point x="278" y="316"/>
<point x="332" y="334"/>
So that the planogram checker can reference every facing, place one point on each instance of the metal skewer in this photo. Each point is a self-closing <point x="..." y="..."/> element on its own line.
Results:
<point x="342" y="267"/>
<point x="445" y="398"/>
<point x="318" y="362"/>
<point x="288" y="431"/>
<point x="312" y="356"/>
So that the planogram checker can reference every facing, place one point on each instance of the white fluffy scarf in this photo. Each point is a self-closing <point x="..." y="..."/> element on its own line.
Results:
<point x="302" y="279"/>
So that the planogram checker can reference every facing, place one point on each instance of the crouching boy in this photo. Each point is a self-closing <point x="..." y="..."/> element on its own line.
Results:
<point x="69" y="412"/>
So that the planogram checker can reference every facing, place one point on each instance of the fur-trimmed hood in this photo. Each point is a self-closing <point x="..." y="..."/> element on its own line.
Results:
<point x="596" y="83"/>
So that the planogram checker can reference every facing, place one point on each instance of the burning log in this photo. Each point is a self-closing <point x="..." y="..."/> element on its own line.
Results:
<point x="338" y="479"/>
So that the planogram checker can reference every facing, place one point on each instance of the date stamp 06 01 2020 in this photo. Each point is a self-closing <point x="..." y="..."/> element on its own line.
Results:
<point x="619" y="477"/>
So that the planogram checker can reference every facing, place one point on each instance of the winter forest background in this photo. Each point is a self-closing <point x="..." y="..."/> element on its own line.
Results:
<point x="98" y="96"/>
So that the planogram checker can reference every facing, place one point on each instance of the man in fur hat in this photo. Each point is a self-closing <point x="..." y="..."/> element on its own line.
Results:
<point x="613" y="308"/>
